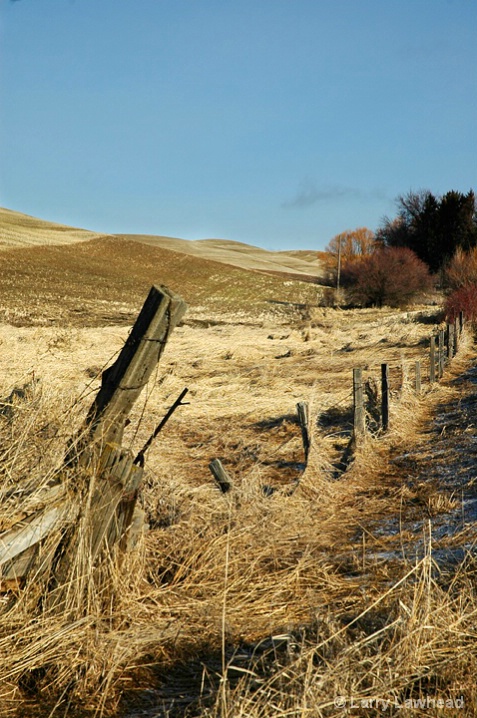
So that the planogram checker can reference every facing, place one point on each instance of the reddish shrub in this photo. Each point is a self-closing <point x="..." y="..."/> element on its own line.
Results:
<point x="462" y="269"/>
<point x="462" y="300"/>
<point x="392" y="276"/>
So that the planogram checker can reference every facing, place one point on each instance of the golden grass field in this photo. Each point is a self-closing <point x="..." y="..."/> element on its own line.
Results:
<point x="256" y="604"/>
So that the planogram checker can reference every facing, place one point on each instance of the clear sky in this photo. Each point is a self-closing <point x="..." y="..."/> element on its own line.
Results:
<point x="274" y="122"/>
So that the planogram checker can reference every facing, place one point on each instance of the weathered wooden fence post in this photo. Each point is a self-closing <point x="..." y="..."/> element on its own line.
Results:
<point x="109" y="478"/>
<point x="418" y="376"/>
<point x="385" y="396"/>
<point x="99" y="513"/>
<point x="303" y="411"/>
<point x="222" y="478"/>
<point x="123" y="382"/>
<point x="450" y="341"/>
<point x="441" y="356"/>
<point x="432" y="360"/>
<point x="359" y="423"/>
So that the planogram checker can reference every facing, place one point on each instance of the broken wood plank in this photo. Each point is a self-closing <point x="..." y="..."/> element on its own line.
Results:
<point x="108" y="492"/>
<point x="128" y="511"/>
<point x="32" y="530"/>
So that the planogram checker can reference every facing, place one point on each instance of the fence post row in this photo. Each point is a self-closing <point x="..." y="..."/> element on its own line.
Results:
<point x="448" y="342"/>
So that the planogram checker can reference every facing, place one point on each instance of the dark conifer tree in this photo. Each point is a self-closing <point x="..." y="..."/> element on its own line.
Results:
<point x="433" y="227"/>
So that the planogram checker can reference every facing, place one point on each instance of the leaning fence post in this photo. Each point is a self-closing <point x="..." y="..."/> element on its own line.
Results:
<point x="432" y="360"/>
<point x="461" y="321"/>
<point x="123" y="382"/>
<point x="220" y="475"/>
<point x="418" y="376"/>
<point x="304" y="419"/>
<point x="110" y="481"/>
<point x="385" y="396"/>
<point x="359" y="424"/>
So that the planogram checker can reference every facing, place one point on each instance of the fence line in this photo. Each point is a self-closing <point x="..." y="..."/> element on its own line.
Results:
<point x="443" y="346"/>
<point x="448" y="341"/>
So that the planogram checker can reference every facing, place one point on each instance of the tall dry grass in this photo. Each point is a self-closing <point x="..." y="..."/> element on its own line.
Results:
<point x="248" y="604"/>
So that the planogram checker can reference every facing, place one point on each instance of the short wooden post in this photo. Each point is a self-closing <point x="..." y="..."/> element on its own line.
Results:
<point x="222" y="478"/>
<point x="432" y="360"/>
<point x="418" y="376"/>
<point x="461" y="321"/>
<point x="304" y="420"/>
<point x="456" y="336"/>
<point x="385" y="396"/>
<point x="450" y="341"/>
<point x="441" y="355"/>
<point x="359" y="424"/>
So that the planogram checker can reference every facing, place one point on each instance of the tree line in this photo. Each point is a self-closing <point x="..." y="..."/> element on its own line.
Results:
<point x="432" y="227"/>
<point x="431" y="240"/>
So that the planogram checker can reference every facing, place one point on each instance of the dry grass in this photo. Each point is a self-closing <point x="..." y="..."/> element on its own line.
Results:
<point x="257" y="603"/>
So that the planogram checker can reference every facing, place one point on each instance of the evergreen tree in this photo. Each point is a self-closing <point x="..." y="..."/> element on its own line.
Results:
<point x="433" y="227"/>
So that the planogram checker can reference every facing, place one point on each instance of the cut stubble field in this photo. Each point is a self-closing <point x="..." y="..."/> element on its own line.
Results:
<point x="258" y="602"/>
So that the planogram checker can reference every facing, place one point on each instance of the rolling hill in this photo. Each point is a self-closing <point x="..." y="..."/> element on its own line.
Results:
<point x="52" y="274"/>
<point x="238" y="254"/>
<point x="21" y="230"/>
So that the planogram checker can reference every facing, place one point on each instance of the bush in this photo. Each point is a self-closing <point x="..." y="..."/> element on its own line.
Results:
<point x="331" y="297"/>
<point x="464" y="300"/>
<point x="461" y="270"/>
<point x="391" y="275"/>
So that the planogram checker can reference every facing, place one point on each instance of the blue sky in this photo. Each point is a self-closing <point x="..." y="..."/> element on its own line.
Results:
<point x="274" y="122"/>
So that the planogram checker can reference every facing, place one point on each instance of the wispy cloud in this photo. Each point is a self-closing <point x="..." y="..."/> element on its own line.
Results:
<point x="309" y="194"/>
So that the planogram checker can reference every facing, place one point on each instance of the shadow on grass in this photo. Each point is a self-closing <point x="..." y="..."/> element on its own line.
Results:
<point x="274" y="422"/>
<point x="192" y="687"/>
<point x="339" y="418"/>
<point x="431" y="318"/>
<point x="295" y="305"/>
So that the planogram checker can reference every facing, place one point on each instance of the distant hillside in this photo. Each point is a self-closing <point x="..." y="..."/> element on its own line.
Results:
<point x="239" y="254"/>
<point x="19" y="230"/>
<point x="105" y="281"/>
